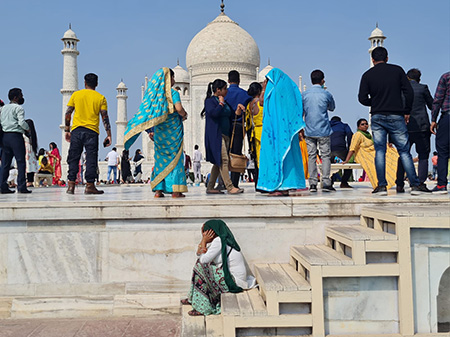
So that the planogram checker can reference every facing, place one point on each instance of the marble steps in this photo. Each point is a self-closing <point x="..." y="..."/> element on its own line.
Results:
<point x="324" y="261"/>
<point x="281" y="283"/>
<point x="357" y="241"/>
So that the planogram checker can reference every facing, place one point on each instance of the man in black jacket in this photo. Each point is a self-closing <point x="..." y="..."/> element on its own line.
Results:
<point x="418" y="128"/>
<point x="381" y="88"/>
<point x="340" y="143"/>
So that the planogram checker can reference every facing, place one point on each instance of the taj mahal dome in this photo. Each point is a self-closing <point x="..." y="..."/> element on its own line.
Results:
<point x="218" y="48"/>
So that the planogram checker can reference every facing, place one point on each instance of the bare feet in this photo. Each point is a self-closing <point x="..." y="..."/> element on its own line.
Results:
<point x="185" y="302"/>
<point x="178" y="195"/>
<point x="194" y="313"/>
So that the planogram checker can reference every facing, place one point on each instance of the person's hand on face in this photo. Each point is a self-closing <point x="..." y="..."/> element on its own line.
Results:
<point x="208" y="236"/>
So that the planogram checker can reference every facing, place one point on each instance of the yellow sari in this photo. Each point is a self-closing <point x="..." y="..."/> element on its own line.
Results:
<point x="365" y="155"/>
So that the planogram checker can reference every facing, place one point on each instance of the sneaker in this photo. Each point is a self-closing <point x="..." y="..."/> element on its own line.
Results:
<point x="439" y="190"/>
<point x="313" y="188"/>
<point x="421" y="189"/>
<point x="400" y="189"/>
<point x="380" y="190"/>
<point x="328" y="189"/>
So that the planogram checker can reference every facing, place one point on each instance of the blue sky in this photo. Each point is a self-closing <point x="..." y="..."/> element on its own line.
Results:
<point x="129" y="39"/>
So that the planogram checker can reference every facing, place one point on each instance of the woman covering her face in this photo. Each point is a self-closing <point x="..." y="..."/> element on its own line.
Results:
<point x="221" y="268"/>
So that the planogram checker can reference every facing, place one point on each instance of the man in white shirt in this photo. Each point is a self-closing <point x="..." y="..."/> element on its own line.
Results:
<point x="197" y="165"/>
<point x="113" y="162"/>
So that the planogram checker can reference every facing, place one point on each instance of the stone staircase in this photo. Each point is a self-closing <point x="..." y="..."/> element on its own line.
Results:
<point x="290" y="298"/>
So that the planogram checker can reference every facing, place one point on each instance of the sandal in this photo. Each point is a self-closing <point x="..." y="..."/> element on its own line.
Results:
<point x="159" y="194"/>
<point x="194" y="313"/>
<point x="236" y="190"/>
<point x="185" y="302"/>
<point x="178" y="195"/>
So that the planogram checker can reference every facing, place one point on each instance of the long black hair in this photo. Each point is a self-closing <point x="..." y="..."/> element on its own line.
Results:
<point x="136" y="155"/>
<point x="212" y="88"/>
<point x="33" y="136"/>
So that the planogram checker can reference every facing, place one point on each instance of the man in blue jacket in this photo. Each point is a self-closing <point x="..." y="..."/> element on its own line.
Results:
<point x="340" y="143"/>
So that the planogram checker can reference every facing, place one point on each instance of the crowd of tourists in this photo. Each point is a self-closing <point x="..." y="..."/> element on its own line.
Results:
<point x="289" y="134"/>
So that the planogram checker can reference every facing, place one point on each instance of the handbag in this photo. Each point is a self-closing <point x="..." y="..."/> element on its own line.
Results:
<point x="237" y="162"/>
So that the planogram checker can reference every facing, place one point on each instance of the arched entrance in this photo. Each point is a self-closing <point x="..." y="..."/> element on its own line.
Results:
<point x="443" y="302"/>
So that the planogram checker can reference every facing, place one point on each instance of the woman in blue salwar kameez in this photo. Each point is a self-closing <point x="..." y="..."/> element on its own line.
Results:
<point x="162" y="114"/>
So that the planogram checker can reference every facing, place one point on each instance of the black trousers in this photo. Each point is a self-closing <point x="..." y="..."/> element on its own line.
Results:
<point x="422" y="141"/>
<point x="342" y="155"/>
<point x="13" y="146"/>
<point x="83" y="138"/>
<point x="236" y="148"/>
<point x="443" y="149"/>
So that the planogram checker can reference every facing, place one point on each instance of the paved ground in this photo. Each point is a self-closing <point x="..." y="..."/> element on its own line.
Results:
<point x="143" y="192"/>
<point x="155" y="326"/>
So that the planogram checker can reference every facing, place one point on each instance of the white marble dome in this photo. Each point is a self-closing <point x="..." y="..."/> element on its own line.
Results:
<point x="377" y="32"/>
<point x="262" y="74"/>
<point x="121" y="85"/>
<point x="220" y="47"/>
<point x="181" y="75"/>
<point x="70" y="34"/>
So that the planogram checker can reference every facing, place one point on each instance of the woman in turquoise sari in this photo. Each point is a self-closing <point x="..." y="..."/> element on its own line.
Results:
<point x="281" y="166"/>
<point x="161" y="111"/>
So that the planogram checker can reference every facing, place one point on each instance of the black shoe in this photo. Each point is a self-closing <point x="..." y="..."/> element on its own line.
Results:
<point x="439" y="190"/>
<point x="380" y="190"/>
<point x="400" y="189"/>
<point x="25" y="191"/>
<point x="345" y="185"/>
<point x="328" y="189"/>
<point x="313" y="188"/>
<point x="421" y="189"/>
<point x="8" y="191"/>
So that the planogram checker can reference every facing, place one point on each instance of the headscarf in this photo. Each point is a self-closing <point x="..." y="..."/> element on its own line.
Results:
<point x="366" y="134"/>
<point x="155" y="107"/>
<point x="227" y="239"/>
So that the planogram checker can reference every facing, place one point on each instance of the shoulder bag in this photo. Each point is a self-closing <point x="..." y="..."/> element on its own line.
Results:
<point x="237" y="162"/>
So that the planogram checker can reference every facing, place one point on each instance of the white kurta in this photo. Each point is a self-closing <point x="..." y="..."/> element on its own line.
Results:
<point x="236" y="263"/>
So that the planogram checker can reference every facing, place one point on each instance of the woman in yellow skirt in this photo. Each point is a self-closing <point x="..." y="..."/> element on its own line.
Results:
<point x="363" y="149"/>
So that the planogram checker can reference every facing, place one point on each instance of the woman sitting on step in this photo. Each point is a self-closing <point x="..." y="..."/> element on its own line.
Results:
<point x="221" y="268"/>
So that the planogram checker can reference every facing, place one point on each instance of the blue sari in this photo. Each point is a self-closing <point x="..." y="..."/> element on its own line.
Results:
<point x="157" y="111"/>
<point x="281" y="166"/>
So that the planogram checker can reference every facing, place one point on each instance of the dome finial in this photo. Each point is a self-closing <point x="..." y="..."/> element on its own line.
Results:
<point x="222" y="7"/>
<point x="377" y="24"/>
<point x="268" y="61"/>
<point x="70" y="26"/>
<point x="178" y="61"/>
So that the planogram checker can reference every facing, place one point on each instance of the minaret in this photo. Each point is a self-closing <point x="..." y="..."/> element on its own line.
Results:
<point x="70" y="81"/>
<point x="376" y="40"/>
<point x="121" y="115"/>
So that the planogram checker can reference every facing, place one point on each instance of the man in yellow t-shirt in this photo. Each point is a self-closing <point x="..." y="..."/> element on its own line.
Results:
<point x="87" y="105"/>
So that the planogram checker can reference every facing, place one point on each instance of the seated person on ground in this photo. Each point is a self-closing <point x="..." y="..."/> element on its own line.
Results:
<point x="221" y="268"/>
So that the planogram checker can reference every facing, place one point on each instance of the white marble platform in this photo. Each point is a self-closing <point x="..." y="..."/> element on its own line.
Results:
<point x="126" y="253"/>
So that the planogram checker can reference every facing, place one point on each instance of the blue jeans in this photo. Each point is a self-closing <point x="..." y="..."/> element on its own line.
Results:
<point x="395" y="127"/>
<point x="114" y="169"/>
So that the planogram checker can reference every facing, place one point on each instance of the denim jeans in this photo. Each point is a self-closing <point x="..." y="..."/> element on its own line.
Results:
<point x="114" y="170"/>
<point x="323" y="144"/>
<point x="79" y="138"/>
<point x="395" y="127"/>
